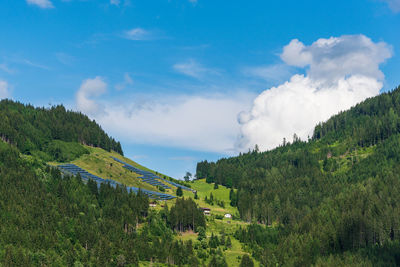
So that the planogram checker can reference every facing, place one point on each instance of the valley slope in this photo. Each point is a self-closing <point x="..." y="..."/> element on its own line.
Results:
<point x="332" y="200"/>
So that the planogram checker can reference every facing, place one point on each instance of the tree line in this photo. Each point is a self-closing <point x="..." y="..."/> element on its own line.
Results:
<point x="334" y="198"/>
<point x="50" y="219"/>
<point x="33" y="130"/>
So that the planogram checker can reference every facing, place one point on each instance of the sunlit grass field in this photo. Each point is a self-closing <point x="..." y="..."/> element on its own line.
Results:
<point x="100" y="163"/>
<point x="222" y="194"/>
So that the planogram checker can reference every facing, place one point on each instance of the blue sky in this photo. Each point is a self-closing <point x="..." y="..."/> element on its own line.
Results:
<point x="182" y="81"/>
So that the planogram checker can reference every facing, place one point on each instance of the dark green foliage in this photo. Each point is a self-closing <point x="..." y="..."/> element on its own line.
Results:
<point x="161" y="188"/>
<point x="335" y="198"/>
<point x="65" y="151"/>
<point x="246" y="261"/>
<point x="201" y="233"/>
<point x="213" y="242"/>
<point x="258" y="235"/>
<point x="33" y="129"/>
<point x="179" y="192"/>
<point x="186" y="215"/>
<point x="187" y="177"/>
<point x="50" y="220"/>
<point x="228" y="242"/>
<point x="233" y="198"/>
<point x="368" y="123"/>
<point x="217" y="261"/>
<point x="215" y="186"/>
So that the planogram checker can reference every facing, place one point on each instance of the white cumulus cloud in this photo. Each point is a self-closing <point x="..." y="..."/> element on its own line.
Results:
<point x="41" y="3"/>
<point x="4" y="90"/>
<point x="86" y="96"/>
<point x="341" y="71"/>
<point x="199" y="122"/>
<point x="206" y="123"/>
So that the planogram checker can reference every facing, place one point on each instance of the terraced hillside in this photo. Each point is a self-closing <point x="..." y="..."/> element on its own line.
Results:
<point x="113" y="166"/>
<point x="102" y="163"/>
<point x="110" y="165"/>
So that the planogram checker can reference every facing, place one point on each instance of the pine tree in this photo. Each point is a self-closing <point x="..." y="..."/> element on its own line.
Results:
<point x="246" y="261"/>
<point x="228" y="242"/>
<point x="179" y="192"/>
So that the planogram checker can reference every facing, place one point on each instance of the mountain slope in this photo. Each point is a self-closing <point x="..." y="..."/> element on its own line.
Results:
<point x="57" y="220"/>
<point x="336" y="194"/>
<point x="33" y="130"/>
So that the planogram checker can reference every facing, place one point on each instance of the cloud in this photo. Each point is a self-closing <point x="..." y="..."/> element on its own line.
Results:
<point x="128" y="81"/>
<point x="341" y="71"/>
<point x="89" y="90"/>
<point x="115" y="2"/>
<point x="35" y="65"/>
<point x="138" y="34"/>
<point x="199" y="122"/>
<point x="194" y="69"/>
<point x="334" y="58"/>
<point x="394" y="5"/>
<point x="4" y="90"/>
<point x="41" y="3"/>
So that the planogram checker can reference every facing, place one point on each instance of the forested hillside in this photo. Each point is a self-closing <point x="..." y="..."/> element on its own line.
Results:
<point x="50" y="220"/>
<point x="332" y="200"/>
<point x="51" y="133"/>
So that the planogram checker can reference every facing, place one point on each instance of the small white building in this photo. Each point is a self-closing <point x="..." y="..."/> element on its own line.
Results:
<point x="228" y="216"/>
<point x="152" y="204"/>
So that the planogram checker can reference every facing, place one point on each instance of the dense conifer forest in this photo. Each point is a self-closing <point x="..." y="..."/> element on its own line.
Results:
<point x="51" y="219"/>
<point x="332" y="200"/>
<point x="51" y="133"/>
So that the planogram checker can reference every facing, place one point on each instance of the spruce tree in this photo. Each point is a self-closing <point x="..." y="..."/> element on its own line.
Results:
<point x="246" y="261"/>
<point x="179" y="192"/>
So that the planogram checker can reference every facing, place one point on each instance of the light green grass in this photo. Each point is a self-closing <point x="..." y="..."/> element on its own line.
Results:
<point x="137" y="165"/>
<point x="204" y="189"/>
<point x="232" y="255"/>
<point x="345" y="161"/>
<point x="100" y="163"/>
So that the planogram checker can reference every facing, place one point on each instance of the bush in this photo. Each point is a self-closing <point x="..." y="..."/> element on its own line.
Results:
<point x="219" y="217"/>
<point x="162" y="189"/>
<point x="202" y="233"/>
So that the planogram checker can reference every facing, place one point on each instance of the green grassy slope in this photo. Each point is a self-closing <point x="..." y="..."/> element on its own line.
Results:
<point x="100" y="163"/>
<point x="222" y="194"/>
<point x="217" y="227"/>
